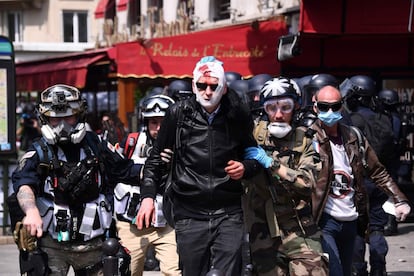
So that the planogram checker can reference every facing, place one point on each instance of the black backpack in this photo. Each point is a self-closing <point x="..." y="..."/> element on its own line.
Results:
<point x="377" y="128"/>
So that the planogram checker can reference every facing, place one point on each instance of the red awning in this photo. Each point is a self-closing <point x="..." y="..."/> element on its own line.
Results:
<point x="355" y="17"/>
<point x="122" y="5"/>
<point x="249" y="49"/>
<point x="101" y="9"/>
<point x="68" y="69"/>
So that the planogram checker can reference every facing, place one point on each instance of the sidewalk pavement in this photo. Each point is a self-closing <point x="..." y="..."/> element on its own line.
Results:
<point x="400" y="258"/>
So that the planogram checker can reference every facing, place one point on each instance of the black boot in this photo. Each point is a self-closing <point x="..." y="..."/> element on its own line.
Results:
<point x="392" y="226"/>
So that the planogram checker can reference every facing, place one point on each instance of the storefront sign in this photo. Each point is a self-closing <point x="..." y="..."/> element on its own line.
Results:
<point x="249" y="49"/>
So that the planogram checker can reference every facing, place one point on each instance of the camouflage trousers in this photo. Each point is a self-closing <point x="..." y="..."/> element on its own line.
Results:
<point x="291" y="253"/>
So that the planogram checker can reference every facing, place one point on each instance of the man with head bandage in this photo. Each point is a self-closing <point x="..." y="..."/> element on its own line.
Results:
<point x="208" y="134"/>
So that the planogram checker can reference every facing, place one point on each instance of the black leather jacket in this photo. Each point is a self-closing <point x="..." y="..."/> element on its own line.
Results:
<point x="201" y="187"/>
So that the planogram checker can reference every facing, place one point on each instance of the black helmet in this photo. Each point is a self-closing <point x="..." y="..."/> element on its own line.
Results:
<point x="315" y="83"/>
<point x="240" y="87"/>
<point x="232" y="76"/>
<point x="256" y="83"/>
<point x="359" y="90"/>
<point x="302" y="82"/>
<point x="179" y="90"/>
<point x="279" y="87"/>
<point x="359" y="85"/>
<point x="388" y="97"/>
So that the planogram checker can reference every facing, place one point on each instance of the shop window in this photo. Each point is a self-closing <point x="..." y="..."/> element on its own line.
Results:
<point x="75" y="26"/>
<point x="155" y="8"/>
<point x="14" y="25"/>
<point x="222" y="10"/>
<point x="134" y="15"/>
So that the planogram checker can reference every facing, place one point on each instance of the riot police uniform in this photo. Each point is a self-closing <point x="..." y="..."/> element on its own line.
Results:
<point x="66" y="177"/>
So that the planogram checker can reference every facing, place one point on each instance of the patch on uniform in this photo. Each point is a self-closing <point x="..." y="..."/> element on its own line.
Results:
<point x="24" y="158"/>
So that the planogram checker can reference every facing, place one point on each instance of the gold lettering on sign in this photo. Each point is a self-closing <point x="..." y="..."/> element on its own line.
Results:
<point x="159" y="50"/>
<point x="217" y="50"/>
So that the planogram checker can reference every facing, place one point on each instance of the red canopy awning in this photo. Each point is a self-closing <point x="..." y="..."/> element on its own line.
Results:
<point x="349" y="37"/>
<point x="122" y="5"/>
<point x="101" y="8"/>
<point x="355" y="17"/>
<point x="68" y="69"/>
<point x="249" y="49"/>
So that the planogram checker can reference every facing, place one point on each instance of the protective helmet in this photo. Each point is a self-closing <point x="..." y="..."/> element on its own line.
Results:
<point x="279" y="87"/>
<point x="359" y="85"/>
<point x="302" y="82"/>
<point x="155" y="106"/>
<point x="240" y="87"/>
<point x="157" y="90"/>
<point x="388" y="97"/>
<point x="179" y="90"/>
<point x="315" y="83"/>
<point x="232" y="76"/>
<point x="60" y="101"/>
<point x="256" y="83"/>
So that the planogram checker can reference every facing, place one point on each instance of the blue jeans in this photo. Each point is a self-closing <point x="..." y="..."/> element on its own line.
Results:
<point x="338" y="239"/>
<point x="210" y="244"/>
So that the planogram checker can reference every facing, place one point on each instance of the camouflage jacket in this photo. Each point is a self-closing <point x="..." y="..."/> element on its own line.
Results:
<point x="296" y="152"/>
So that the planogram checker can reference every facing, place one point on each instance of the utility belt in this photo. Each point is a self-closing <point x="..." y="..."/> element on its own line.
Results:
<point x="64" y="224"/>
<point x="127" y="200"/>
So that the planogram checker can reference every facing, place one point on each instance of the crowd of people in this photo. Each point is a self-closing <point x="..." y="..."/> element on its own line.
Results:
<point x="225" y="176"/>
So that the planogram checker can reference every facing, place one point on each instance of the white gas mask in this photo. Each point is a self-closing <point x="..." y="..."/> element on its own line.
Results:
<point x="64" y="133"/>
<point x="279" y="129"/>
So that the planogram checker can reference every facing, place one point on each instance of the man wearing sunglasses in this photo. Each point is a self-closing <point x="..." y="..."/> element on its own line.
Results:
<point x="207" y="169"/>
<point x="283" y="236"/>
<point x="339" y="200"/>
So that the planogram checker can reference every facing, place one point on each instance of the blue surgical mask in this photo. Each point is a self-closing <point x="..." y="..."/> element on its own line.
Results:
<point x="330" y="118"/>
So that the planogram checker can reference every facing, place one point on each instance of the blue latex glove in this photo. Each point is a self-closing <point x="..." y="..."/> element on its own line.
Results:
<point x="258" y="154"/>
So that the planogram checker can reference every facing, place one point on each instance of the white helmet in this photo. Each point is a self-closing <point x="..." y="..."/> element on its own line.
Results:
<point x="60" y="101"/>
<point x="155" y="106"/>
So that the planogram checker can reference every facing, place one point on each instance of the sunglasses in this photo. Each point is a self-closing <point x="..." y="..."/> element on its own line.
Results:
<point x="285" y="106"/>
<point x="203" y="86"/>
<point x="324" y="106"/>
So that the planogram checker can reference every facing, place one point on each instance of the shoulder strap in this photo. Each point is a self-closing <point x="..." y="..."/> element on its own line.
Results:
<point x="361" y="145"/>
<point x="130" y="144"/>
<point x="43" y="151"/>
<point x="180" y="120"/>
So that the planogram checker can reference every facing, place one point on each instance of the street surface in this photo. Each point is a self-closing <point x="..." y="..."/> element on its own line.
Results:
<point x="400" y="258"/>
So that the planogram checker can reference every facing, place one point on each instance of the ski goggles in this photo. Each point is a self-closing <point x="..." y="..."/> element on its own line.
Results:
<point x="325" y="106"/>
<point x="203" y="86"/>
<point x="285" y="106"/>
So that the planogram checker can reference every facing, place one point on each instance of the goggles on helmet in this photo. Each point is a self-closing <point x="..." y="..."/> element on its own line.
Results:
<point x="285" y="106"/>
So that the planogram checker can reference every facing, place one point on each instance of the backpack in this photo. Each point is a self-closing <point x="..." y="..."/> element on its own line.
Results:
<point x="131" y="143"/>
<point x="377" y="128"/>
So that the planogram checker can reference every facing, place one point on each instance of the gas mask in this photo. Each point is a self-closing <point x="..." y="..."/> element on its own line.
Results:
<point x="279" y="129"/>
<point x="64" y="133"/>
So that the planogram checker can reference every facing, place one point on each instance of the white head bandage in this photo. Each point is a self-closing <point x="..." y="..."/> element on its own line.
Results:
<point x="209" y="66"/>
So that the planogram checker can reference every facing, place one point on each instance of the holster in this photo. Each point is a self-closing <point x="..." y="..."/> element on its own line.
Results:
<point x="34" y="263"/>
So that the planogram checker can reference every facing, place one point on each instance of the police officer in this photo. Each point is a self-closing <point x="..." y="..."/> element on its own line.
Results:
<point x="255" y="85"/>
<point x="283" y="236"/>
<point x="60" y="188"/>
<point x="127" y="197"/>
<point x="179" y="90"/>
<point x="387" y="103"/>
